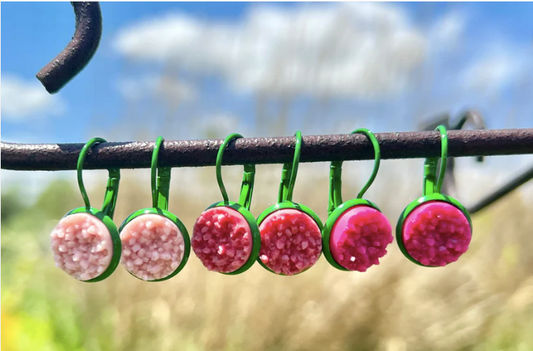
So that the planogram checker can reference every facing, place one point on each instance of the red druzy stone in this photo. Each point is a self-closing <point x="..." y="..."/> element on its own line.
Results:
<point x="222" y="239"/>
<point x="290" y="241"/>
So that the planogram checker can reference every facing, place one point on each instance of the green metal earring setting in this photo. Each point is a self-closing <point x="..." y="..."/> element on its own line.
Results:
<point x="155" y="242"/>
<point x="356" y="232"/>
<point x="85" y="243"/>
<point x="225" y="236"/>
<point x="435" y="229"/>
<point x="290" y="232"/>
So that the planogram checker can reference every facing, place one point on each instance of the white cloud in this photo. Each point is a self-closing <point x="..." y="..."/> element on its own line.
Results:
<point x="220" y="125"/>
<point x="361" y="50"/>
<point x="164" y="86"/>
<point x="495" y="71"/>
<point x="447" y="31"/>
<point x="24" y="137"/>
<point x="23" y="100"/>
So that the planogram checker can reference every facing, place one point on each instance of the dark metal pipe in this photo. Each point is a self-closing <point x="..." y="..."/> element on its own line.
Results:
<point x="316" y="148"/>
<point x="501" y="192"/>
<point x="71" y="61"/>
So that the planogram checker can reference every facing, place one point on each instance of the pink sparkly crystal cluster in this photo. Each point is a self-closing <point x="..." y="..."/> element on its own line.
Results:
<point x="222" y="239"/>
<point x="290" y="242"/>
<point x="436" y="233"/>
<point x="82" y="246"/>
<point x="359" y="238"/>
<point x="152" y="247"/>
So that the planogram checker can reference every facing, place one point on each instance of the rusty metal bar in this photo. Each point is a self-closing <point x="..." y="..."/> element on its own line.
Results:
<point x="316" y="148"/>
<point x="79" y="51"/>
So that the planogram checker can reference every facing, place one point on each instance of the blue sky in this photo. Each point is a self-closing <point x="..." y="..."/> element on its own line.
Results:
<point x="33" y="33"/>
<point x="197" y="70"/>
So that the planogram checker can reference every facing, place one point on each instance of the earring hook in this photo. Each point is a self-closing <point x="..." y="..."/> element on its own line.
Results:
<point x="430" y="166"/>
<point x="289" y="172"/>
<point x="245" y="198"/>
<point x="110" y="197"/>
<point x="335" y="195"/>
<point x="160" y="180"/>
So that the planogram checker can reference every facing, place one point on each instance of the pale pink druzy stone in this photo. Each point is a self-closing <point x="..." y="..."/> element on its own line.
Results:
<point x="290" y="241"/>
<point x="359" y="238"/>
<point x="436" y="233"/>
<point x="152" y="247"/>
<point x="222" y="239"/>
<point x="82" y="246"/>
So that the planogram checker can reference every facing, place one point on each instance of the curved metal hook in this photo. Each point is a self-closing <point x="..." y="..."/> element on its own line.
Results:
<point x="475" y="119"/>
<point x="478" y="123"/>
<point x="449" y="186"/>
<point x="73" y="59"/>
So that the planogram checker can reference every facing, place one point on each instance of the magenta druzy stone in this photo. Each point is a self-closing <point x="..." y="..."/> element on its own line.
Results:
<point x="359" y="238"/>
<point x="436" y="233"/>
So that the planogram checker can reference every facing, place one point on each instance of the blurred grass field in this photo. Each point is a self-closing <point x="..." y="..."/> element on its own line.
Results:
<point x="482" y="302"/>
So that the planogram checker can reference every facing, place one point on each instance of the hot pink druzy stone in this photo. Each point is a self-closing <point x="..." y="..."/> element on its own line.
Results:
<point x="222" y="239"/>
<point x="436" y="233"/>
<point x="152" y="247"/>
<point x="290" y="241"/>
<point x="359" y="238"/>
<point x="82" y="246"/>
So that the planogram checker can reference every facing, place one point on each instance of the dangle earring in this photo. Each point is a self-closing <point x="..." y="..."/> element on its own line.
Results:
<point x="356" y="233"/>
<point x="290" y="232"/>
<point x="155" y="242"/>
<point x="85" y="243"/>
<point x="225" y="236"/>
<point x="435" y="229"/>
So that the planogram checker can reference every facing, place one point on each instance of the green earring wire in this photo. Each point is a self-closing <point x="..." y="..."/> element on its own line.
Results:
<point x="356" y="232"/>
<point x="335" y="182"/>
<point x="290" y="232"/>
<point x="435" y="229"/>
<point x="226" y="237"/>
<point x="86" y="243"/>
<point x="156" y="243"/>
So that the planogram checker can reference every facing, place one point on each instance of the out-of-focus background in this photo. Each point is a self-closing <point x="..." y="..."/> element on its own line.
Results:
<point x="197" y="70"/>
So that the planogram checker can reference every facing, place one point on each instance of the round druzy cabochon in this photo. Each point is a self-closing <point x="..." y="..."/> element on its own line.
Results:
<point x="290" y="241"/>
<point x="359" y="238"/>
<point x="436" y="233"/>
<point x="152" y="247"/>
<point x="222" y="239"/>
<point x="82" y="246"/>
